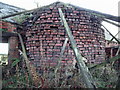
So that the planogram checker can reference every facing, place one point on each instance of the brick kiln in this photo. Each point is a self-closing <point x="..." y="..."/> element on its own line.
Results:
<point x="45" y="35"/>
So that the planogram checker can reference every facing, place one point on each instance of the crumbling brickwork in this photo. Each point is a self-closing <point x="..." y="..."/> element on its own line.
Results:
<point x="45" y="35"/>
<point x="6" y="26"/>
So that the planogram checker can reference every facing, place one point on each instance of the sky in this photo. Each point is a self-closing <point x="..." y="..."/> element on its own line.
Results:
<point x="105" y="6"/>
<point x="3" y="48"/>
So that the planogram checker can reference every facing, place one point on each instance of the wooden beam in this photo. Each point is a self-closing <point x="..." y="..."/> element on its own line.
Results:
<point x="99" y="14"/>
<point x="37" y="80"/>
<point x="113" y="59"/>
<point x="111" y="52"/>
<point x="25" y="56"/>
<point x="7" y="16"/>
<point x="111" y="22"/>
<point x="115" y="36"/>
<point x="111" y="34"/>
<point x="86" y="75"/>
<point x="118" y="51"/>
<point x="61" y="54"/>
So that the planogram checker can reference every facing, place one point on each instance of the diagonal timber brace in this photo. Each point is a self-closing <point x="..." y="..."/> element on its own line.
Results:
<point x="86" y="75"/>
<point x="61" y="54"/>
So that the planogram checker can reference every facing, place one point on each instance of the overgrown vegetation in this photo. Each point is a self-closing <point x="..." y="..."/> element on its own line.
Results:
<point x="3" y="59"/>
<point x="20" y="18"/>
<point x="105" y="77"/>
<point x="67" y="78"/>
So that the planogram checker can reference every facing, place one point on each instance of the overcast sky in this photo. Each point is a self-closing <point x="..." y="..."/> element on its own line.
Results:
<point x="105" y="6"/>
<point x="3" y="48"/>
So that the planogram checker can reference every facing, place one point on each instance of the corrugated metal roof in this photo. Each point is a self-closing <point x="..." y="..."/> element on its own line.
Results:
<point x="6" y="9"/>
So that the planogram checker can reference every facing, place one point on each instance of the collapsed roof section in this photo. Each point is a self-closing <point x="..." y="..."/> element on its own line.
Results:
<point x="96" y="13"/>
<point x="6" y="9"/>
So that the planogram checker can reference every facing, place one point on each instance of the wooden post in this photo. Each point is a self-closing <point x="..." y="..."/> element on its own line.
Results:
<point x="86" y="75"/>
<point x="117" y="51"/>
<point x="25" y="56"/>
<point x="61" y="54"/>
<point x="37" y="80"/>
<point x="111" y="52"/>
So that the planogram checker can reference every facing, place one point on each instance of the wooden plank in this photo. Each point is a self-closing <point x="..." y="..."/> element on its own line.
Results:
<point x="25" y="56"/>
<point x="99" y="14"/>
<point x="111" y="34"/>
<point x="61" y="54"/>
<point x="115" y="36"/>
<point x="18" y="13"/>
<point x="113" y="59"/>
<point x="111" y="52"/>
<point x="118" y="51"/>
<point x="37" y="80"/>
<point x="111" y="22"/>
<point x="87" y="77"/>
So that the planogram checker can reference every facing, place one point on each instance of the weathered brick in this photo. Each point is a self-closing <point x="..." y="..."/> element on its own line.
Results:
<point x="51" y="34"/>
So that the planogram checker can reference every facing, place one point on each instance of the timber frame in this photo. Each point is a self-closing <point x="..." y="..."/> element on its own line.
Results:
<point x="83" y="68"/>
<point x="99" y="14"/>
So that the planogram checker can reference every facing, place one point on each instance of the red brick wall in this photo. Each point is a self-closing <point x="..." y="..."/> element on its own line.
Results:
<point x="7" y="26"/>
<point x="45" y="38"/>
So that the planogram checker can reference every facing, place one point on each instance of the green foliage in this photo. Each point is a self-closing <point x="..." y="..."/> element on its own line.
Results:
<point x="19" y="19"/>
<point x="105" y="76"/>
<point x="3" y="59"/>
<point x="113" y="59"/>
<point x="12" y="82"/>
<point x="3" y="29"/>
<point x="15" y="62"/>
